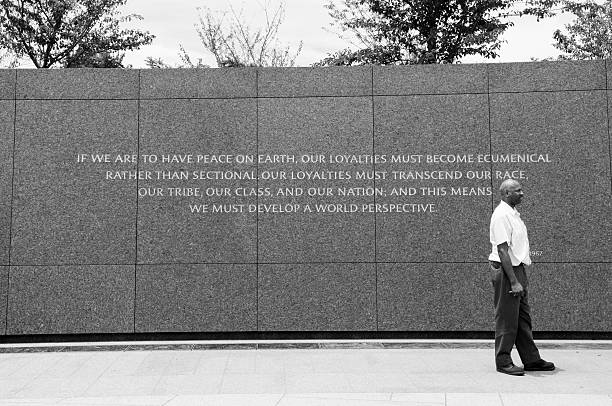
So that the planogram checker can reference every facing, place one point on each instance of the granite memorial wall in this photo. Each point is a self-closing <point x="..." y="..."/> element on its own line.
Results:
<point x="299" y="199"/>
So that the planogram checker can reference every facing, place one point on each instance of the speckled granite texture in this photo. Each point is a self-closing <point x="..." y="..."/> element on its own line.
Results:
<point x="423" y="297"/>
<point x="547" y="76"/>
<point x="191" y="298"/>
<point x="88" y="255"/>
<point x="609" y="94"/>
<point x="302" y="82"/>
<point x="570" y="297"/>
<point x="457" y="229"/>
<point x="567" y="201"/>
<point x="71" y="299"/>
<point x="7" y="114"/>
<point x="317" y="297"/>
<point x="168" y="231"/>
<point x="7" y="84"/>
<point x="198" y="83"/>
<point x="89" y="84"/>
<point x="609" y="74"/>
<point x="328" y="126"/>
<point x="65" y="212"/>
<point x="430" y="79"/>
<point x="4" y="272"/>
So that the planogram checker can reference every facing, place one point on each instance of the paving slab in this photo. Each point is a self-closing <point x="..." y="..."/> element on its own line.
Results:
<point x="334" y="375"/>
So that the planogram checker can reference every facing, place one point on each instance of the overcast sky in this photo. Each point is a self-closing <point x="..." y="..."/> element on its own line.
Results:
<point x="172" y="22"/>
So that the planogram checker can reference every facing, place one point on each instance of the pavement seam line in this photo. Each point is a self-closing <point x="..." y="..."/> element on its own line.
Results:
<point x="169" y="400"/>
<point x="227" y="360"/>
<point x="102" y="373"/>
<point x="281" y="398"/>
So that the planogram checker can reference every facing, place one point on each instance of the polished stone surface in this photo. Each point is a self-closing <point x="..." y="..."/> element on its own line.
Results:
<point x="323" y="297"/>
<point x="73" y="299"/>
<point x="316" y="237"/>
<point x="546" y="76"/>
<point x="307" y="82"/>
<point x="66" y="212"/>
<point x="609" y="74"/>
<point x="455" y="226"/>
<point x="198" y="83"/>
<point x="609" y="94"/>
<point x="431" y="297"/>
<point x="7" y="84"/>
<point x="325" y="125"/>
<point x="4" y="274"/>
<point x="308" y="127"/>
<point x="316" y="270"/>
<point x="192" y="298"/>
<point x="554" y="291"/>
<point x="570" y="195"/>
<point x="168" y="230"/>
<point x="430" y="79"/>
<point x="7" y="114"/>
<point x="83" y="83"/>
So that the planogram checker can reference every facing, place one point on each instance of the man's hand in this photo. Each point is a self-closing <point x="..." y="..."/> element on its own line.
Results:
<point x="517" y="289"/>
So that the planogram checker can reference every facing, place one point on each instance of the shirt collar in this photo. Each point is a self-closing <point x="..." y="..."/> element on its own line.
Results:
<point x="510" y="208"/>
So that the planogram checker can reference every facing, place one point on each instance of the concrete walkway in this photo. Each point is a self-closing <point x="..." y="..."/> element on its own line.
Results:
<point x="352" y="374"/>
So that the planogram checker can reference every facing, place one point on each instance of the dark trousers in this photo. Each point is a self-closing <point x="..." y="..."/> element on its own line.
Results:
<point x="512" y="318"/>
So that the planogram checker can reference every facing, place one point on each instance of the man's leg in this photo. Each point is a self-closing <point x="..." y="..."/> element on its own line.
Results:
<point x="524" y="336"/>
<point x="506" y="318"/>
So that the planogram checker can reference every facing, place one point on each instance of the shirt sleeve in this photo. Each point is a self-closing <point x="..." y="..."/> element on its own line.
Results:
<point x="501" y="231"/>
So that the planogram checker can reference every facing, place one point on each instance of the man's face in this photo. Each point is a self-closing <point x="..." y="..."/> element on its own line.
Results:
<point x="515" y="194"/>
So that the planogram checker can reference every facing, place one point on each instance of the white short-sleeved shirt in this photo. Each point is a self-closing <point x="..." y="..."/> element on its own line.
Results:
<point x="507" y="226"/>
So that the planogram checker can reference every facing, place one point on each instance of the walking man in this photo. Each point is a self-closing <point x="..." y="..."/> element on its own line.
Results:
<point x="508" y="259"/>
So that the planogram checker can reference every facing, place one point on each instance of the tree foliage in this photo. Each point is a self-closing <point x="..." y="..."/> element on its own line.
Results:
<point x="7" y="59"/>
<point x="71" y="33"/>
<point x="186" y="62"/>
<point x="233" y="42"/>
<point x="589" y="36"/>
<point x="424" y="31"/>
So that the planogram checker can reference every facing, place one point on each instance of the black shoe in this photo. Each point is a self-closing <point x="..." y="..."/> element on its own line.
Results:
<point x="511" y="369"/>
<point x="540" y="365"/>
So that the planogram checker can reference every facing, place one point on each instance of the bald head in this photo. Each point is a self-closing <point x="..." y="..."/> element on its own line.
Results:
<point x="507" y="185"/>
<point x="511" y="192"/>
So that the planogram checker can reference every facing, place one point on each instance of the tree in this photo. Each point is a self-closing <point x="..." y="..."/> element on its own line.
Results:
<point x="186" y="62"/>
<point x="234" y="43"/>
<point x="7" y="60"/>
<point x="424" y="31"/>
<point x="71" y="33"/>
<point x="92" y="59"/>
<point x="589" y="36"/>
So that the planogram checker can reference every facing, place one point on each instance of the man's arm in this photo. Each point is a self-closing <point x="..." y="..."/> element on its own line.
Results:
<point x="504" y="257"/>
